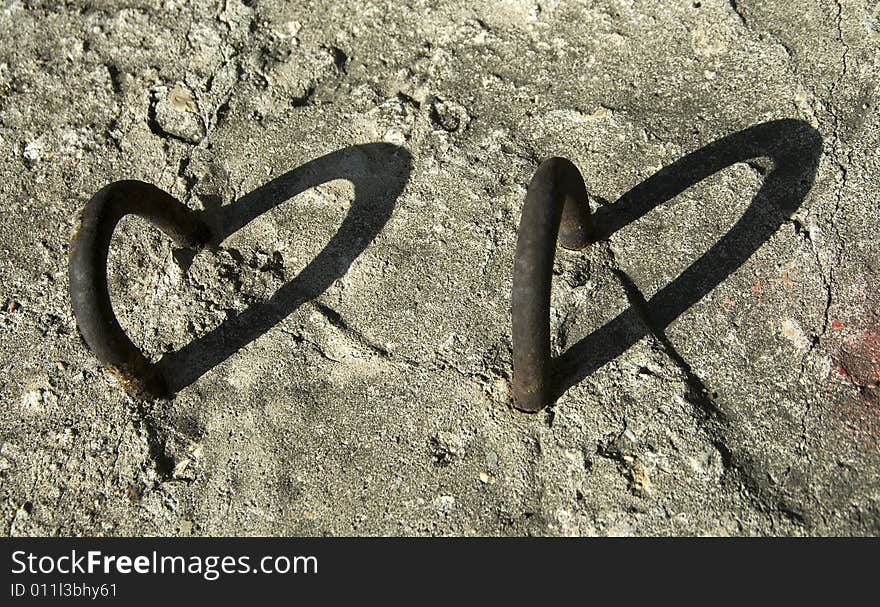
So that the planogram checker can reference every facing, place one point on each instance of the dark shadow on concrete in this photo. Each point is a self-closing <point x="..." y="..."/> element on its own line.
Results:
<point x="379" y="173"/>
<point x="793" y="147"/>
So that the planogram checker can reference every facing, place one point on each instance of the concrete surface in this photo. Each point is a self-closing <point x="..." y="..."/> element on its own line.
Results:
<point x="722" y="362"/>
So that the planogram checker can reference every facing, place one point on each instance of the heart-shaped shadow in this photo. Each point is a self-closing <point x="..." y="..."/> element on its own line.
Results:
<point x="379" y="173"/>
<point x="793" y="146"/>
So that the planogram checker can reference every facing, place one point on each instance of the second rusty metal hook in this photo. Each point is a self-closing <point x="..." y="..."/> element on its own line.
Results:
<point x="89" y="293"/>
<point x="556" y="206"/>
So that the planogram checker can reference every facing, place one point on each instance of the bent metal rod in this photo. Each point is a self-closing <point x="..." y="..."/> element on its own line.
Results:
<point x="556" y="205"/>
<point x="89" y="293"/>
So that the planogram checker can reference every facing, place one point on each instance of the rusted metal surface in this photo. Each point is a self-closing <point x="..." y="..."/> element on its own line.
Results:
<point x="89" y="293"/>
<point x="556" y="206"/>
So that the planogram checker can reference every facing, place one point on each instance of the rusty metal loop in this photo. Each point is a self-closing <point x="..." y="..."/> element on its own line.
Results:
<point x="89" y="293"/>
<point x="556" y="206"/>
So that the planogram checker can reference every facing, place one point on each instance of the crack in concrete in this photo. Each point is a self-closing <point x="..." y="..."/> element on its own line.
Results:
<point x="336" y="320"/>
<point x="738" y="13"/>
<point x="481" y="380"/>
<point x="836" y="146"/>
<point x="842" y="160"/>
<point x="711" y="419"/>
<point x="734" y="5"/>
<point x="698" y="393"/>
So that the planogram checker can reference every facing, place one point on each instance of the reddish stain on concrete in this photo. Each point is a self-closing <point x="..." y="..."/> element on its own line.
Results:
<point x="854" y="339"/>
<point x="854" y="345"/>
<point x="860" y="358"/>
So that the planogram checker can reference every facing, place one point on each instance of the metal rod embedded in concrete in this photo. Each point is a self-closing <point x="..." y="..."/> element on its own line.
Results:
<point x="89" y="294"/>
<point x="556" y="206"/>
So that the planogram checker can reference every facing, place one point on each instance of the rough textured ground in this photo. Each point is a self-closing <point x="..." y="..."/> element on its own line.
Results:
<point x="722" y="363"/>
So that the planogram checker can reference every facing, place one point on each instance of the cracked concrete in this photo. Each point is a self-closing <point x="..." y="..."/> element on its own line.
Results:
<point x="342" y="353"/>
